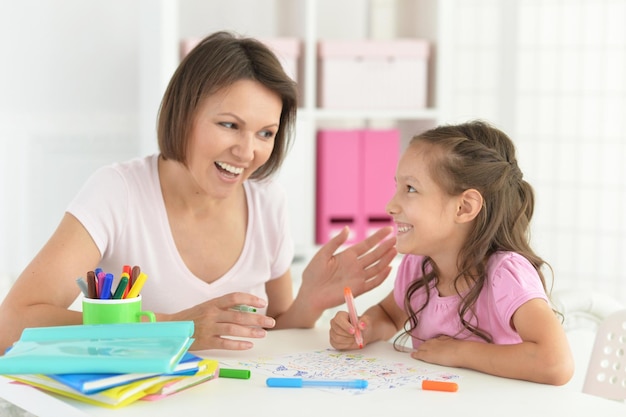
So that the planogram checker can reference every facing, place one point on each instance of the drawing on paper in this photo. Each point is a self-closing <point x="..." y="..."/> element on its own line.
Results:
<point x="332" y="364"/>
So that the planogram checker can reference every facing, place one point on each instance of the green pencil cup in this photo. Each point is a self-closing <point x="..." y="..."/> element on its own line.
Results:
<point x="125" y="310"/>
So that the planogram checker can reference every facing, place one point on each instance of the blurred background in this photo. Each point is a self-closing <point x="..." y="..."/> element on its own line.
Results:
<point x="81" y="82"/>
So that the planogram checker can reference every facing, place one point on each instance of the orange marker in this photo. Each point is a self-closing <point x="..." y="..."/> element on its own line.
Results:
<point x="354" y="317"/>
<point x="430" y="385"/>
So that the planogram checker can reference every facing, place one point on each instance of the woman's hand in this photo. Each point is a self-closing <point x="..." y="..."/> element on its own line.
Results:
<point x="216" y="320"/>
<point x="362" y="267"/>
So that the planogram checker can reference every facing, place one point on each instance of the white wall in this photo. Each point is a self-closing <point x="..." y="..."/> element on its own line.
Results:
<point x="68" y="103"/>
<point x="551" y="73"/>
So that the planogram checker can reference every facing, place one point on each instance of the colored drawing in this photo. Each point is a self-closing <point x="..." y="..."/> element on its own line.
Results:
<point x="331" y="364"/>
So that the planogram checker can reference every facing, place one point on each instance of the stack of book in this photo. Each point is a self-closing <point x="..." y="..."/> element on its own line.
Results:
<point x="108" y="365"/>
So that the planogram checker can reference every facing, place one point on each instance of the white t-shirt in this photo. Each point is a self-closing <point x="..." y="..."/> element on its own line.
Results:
<point x="122" y="208"/>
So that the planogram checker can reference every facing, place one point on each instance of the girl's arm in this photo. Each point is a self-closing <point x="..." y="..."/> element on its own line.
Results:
<point x="379" y="322"/>
<point x="544" y="356"/>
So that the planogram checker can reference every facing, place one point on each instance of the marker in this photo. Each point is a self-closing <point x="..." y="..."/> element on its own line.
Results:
<point x="121" y="288"/>
<point x="430" y="385"/>
<point x="136" y="288"/>
<point x="91" y="285"/>
<point x="100" y="275"/>
<point x="299" y="383"/>
<point x="244" y="308"/>
<point x="235" y="373"/>
<point x="134" y="273"/>
<point x="105" y="294"/>
<point x="83" y="286"/>
<point x="354" y="318"/>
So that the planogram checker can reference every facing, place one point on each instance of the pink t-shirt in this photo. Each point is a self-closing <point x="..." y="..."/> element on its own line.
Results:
<point x="122" y="208"/>
<point x="511" y="281"/>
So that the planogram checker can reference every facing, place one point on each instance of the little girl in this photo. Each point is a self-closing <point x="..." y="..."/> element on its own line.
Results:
<point x="469" y="290"/>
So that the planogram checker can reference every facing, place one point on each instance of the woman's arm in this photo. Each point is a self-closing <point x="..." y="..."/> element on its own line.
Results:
<point x="544" y="356"/>
<point x="47" y="287"/>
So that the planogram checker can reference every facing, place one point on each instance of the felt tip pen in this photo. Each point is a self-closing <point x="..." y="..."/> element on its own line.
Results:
<point x="82" y="284"/>
<point x="234" y="373"/>
<point x="447" y="386"/>
<point x="105" y="294"/>
<point x="244" y="308"/>
<point x="92" y="285"/>
<point x="354" y="317"/>
<point x="137" y="285"/>
<point x="121" y="288"/>
<point x="300" y="383"/>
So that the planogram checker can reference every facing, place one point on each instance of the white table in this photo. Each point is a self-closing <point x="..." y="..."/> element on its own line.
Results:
<point x="478" y="394"/>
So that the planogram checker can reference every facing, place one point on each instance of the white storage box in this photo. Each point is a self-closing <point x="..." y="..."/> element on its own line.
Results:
<point x="373" y="74"/>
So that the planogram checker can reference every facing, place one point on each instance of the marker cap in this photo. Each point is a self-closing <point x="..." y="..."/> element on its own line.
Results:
<point x="235" y="373"/>
<point x="430" y="385"/>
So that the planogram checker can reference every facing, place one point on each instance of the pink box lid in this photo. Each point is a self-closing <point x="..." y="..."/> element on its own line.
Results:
<point x="402" y="47"/>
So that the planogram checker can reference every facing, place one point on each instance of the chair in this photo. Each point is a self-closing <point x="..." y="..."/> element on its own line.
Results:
<point x="606" y="372"/>
<point x="583" y="312"/>
<point x="584" y="309"/>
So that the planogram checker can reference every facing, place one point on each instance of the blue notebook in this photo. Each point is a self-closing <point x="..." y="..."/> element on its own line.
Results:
<point x="92" y="383"/>
<point x="99" y="348"/>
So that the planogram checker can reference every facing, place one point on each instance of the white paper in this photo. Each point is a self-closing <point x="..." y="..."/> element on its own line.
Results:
<point x="35" y="401"/>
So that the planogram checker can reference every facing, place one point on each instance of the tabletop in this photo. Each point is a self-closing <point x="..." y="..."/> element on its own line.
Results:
<point x="478" y="393"/>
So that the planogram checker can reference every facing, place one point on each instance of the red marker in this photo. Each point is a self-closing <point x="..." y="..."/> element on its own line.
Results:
<point x="354" y="317"/>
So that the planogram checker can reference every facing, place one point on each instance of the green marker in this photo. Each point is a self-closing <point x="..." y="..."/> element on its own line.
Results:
<point x="235" y="373"/>
<point x="244" y="308"/>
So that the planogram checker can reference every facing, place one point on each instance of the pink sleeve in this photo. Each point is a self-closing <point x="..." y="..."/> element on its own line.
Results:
<point x="514" y="281"/>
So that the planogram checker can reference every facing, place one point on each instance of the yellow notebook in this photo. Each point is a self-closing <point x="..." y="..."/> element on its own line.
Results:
<point x="207" y="370"/>
<point x="115" y="397"/>
<point x="153" y="388"/>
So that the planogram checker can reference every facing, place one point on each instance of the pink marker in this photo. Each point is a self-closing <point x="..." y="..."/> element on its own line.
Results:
<point x="354" y="318"/>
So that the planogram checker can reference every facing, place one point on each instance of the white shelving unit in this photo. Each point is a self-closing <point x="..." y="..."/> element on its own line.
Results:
<point x="311" y="21"/>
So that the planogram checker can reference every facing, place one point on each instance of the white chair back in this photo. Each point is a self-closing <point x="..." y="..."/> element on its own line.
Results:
<point x="606" y="372"/>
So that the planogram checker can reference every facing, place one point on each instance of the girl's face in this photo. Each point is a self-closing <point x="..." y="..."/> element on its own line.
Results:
<point x="232" y="136"/>
<point x="424" y="214"/>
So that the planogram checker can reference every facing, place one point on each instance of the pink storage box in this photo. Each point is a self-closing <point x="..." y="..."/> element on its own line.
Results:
<point x="373" y="74"/>
<point x="287" y="50"/>
<point x="355" y="180"/>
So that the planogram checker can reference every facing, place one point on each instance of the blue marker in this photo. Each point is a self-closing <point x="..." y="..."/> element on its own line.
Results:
<point x="106" y="287"/>
<point x="299" y="383"/>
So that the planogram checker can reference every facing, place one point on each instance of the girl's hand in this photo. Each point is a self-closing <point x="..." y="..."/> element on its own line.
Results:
<point x="441" y="350"/>
<point x="342" y="331"/>
<point x="216" y="321"/>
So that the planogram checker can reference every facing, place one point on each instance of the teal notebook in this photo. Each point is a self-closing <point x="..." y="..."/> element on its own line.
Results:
<point x="99" y="348"/>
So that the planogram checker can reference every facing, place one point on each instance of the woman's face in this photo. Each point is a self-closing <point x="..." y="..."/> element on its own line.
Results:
<point x="232" y="136"/>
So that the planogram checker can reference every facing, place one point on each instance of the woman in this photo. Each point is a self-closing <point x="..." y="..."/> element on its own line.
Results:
<point x="203" y="218"/>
